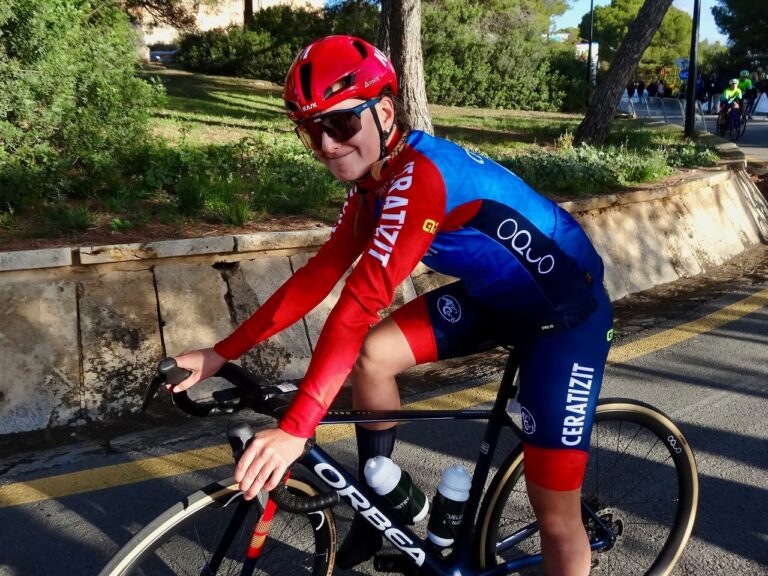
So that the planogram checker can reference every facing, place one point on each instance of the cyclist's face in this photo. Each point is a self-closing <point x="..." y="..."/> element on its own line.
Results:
<point x="352" y="158"/>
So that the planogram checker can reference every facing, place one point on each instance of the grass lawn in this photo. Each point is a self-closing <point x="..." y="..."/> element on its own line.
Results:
<point x="224" y="158"/>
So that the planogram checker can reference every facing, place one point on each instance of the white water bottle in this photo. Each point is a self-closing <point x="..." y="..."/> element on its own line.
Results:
<point x="388" y="480"/>
<point x="448" y="505"/>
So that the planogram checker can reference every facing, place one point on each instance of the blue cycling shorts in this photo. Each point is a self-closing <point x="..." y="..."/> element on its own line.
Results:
<point x="560" y="372"/>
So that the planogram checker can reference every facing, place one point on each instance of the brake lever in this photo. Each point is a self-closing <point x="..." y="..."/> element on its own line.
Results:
<point x="167" y="373"/>
<point x="151" y="391"/>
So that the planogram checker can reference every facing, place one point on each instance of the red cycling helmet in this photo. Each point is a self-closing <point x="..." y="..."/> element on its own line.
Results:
<point x="334" y="69"/>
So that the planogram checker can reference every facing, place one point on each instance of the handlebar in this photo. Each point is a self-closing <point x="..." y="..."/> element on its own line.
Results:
<point x="248" y="392"/>
<point x="239" y="436"/>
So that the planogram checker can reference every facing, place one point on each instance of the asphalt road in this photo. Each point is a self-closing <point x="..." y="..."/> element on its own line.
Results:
<point x="754" y="141"/>
<point x="66" y="509"/>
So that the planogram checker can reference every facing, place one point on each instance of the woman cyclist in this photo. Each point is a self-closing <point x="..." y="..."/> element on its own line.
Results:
<point x="527" y="275"/>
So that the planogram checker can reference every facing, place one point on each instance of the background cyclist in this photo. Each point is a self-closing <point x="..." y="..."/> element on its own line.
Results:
<point x="748" y="92"/>
<point x="731" y="99"/>
<point x="527" y="275"/>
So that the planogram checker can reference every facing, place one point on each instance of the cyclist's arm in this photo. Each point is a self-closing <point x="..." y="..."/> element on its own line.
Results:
<point x="309" y="285"/>
<point x="402" y="236"/>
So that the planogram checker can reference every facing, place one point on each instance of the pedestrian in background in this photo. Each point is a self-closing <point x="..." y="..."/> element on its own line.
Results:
<point x="714" y="89"/>
<point x="630" y="90"/>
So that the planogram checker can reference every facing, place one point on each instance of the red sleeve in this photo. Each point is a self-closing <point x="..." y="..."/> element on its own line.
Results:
<point x="411" y="212"/>
<point x="309" y="285"/>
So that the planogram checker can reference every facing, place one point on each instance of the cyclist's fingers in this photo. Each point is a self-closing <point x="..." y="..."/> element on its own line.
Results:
<point x="201" y="364"/>
<point x="265" y="478"/>
<point x="251" y="483"/>
<point x="191" y="380"/>
<point x="275" y="478"/>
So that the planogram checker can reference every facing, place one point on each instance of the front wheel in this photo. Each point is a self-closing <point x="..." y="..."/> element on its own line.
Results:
<point x="734" y="127"/>
<point x="721" y="124"/>
<point x="641" y="481"/>
<point x="209" y="533"/>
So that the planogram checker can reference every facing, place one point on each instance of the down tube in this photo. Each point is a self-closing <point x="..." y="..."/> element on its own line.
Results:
<point x="370" y="505"/>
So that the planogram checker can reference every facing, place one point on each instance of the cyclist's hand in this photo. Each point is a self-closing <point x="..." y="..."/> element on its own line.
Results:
<point x="202" y="363"/>
<point x="264" y="462"/>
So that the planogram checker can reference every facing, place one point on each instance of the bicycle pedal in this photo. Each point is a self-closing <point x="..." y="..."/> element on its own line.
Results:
<point x="394" y="563"/>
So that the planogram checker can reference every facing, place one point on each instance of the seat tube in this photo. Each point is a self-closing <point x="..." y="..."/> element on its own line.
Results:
<point x="498" y="420"/>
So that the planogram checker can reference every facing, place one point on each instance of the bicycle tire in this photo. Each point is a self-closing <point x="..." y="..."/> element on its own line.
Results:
<point x="181" y="540"/>
<point x="734" y="129"/>
<point x="742" y="123"/>
<point x="720" y="126"/>
<point x="623" y="483"/>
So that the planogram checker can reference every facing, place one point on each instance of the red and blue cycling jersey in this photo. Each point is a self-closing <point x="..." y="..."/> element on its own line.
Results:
<point x="459" y="213"/>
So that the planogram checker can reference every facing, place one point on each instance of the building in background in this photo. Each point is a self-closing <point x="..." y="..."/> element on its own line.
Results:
<point x="209" y="15"/>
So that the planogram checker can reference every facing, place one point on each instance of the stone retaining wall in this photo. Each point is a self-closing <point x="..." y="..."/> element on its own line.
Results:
<point x="81" y="329"/>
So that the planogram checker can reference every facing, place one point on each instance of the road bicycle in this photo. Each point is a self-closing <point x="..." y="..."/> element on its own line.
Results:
<point x="730" y="121"/>
<point x="639" y="502"/>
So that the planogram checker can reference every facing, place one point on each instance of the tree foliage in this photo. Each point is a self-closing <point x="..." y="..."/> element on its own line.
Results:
<point x="69" y="98"/>
<point x="612" y="22"/>
<point x="488" y="54"/>
<point x="713" y="57"/>
<point x="745" y="22"/>
<point x="175" y="13"/>
<point x="478" y="53"/>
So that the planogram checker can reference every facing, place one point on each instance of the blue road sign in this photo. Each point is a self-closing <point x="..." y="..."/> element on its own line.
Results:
<point x="683" y="74"/>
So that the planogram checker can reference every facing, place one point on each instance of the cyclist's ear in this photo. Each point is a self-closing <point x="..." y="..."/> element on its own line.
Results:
<point x="386" y="111"/>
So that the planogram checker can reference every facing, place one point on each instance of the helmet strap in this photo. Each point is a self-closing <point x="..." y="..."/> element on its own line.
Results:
<point x="383" y="135"/>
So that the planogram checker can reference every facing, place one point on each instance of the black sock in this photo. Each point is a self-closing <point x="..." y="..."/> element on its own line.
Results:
<point x="363" y="540"/>
<point x="372" y="443"/>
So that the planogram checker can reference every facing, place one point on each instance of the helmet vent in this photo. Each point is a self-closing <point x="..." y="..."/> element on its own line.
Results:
<point x="339" y="85"/>
<point x="360" y="48"/>
<point x="305" y="74"/>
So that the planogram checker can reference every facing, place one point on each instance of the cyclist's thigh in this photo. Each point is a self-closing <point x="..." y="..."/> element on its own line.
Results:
<point x="560" y="379"/>
<point x="446" y="323"/>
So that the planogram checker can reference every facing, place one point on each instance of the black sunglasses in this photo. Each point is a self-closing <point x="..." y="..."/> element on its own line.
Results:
<point x="340" y="125"/>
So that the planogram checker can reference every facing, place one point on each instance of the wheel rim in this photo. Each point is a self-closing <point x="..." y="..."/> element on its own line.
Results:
<point x="632" y="483"/>
<point x="187" y="549"/>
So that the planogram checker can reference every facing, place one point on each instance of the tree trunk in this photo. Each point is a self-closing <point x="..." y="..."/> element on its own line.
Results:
<point x="594" y="128"/>
<point x="248" y="14"/>
<point x="385" y="21"/>
<point x="406" y="55"/>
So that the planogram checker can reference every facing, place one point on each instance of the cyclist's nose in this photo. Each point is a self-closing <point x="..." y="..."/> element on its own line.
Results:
<point x="328" y="144"/>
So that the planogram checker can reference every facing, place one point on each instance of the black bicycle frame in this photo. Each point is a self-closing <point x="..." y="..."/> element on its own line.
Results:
<point x="366" y="502"/>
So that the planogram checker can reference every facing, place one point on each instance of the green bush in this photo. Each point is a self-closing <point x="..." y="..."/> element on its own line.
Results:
<point x="66" y="219"/>
<point x="70" y="104"/>
<point x="476" y="55"/>
<point x="266" y="50"/>
<point x="586" y="170"/>
<point x="228" y="200"/>
<point x="236" y="52"/>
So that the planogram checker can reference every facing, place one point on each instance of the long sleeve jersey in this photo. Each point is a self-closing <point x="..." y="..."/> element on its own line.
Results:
<point x="462" y="215"/>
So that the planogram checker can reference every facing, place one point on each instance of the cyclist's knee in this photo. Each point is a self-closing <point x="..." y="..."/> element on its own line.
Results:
<point x="373" y="360"/>
<point x="385" y="352"/>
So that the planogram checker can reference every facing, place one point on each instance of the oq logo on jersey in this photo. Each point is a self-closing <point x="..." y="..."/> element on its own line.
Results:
<point x="449" y="308"/>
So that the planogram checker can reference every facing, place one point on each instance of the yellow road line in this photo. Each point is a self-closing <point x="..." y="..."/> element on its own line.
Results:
<point x="192" y="460"/>
<point x="689" y="330"/>
<point x="205" y="458"/>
